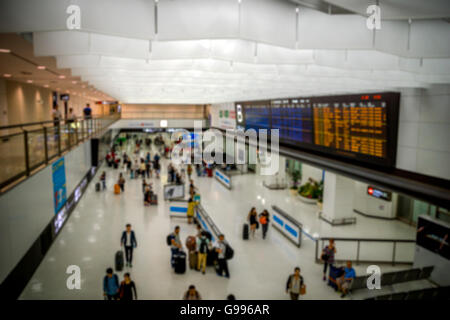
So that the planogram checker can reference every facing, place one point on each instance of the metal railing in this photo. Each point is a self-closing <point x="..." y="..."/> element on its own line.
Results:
<point x="24" y="148"/>
<point x="370" y="250"/>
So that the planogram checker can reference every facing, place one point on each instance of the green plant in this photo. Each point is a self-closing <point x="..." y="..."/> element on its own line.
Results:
<point x="310" y="189"/>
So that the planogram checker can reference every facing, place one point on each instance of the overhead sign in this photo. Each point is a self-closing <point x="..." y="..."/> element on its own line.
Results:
<point x="378" y="193"/>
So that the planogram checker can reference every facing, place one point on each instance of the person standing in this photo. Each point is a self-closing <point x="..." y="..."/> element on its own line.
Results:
<point x="127" y="287"/>
<point x="103" y="179"/>
<point x="56" y="115"/>
<point x="128" y="240"/>
<point x="121" y="182"/>
<point x="223" y="265"/>
<point x="202" y="248"/>
<point x="327" y="257"/>
<point x="264" y="220"/>
<point x="189" y="170"/>
<point x="111" y="285"/>
<point x="176" y="245"/>
<point x="87" y="114"/>
<point x="191" y="210"/>
<point x="294" y="284"/>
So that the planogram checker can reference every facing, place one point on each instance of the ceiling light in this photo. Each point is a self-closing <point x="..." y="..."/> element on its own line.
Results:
<point x="45" y="85"/>
<point x="41" y="67"/>
<point x="62" y="77"/>
<point x="74" y="82"/>
<point x="7" y="75"/>
<point x="30" y="81"/>
<point x="5" y="51"/>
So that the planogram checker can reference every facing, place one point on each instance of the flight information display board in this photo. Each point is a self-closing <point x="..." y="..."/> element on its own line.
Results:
<point x="361" y="127"/>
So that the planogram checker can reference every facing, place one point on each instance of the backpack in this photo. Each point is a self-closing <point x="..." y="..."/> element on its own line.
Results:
<point x="203" y="246"/>
<point x="191" y="243"/>
<point x="229" y="252"/>
<point x="169" y="239"/>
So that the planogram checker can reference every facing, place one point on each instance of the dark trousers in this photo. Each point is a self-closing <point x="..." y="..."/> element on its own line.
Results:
<point x="129" y="253"/>
<point x="265" y="227"/>
<point x="223" y="267"/>
<point x="325" y="265"/>
<point x="104" y="184"/>
<point x="294" y="296"/>
<point x="122" y="187"/>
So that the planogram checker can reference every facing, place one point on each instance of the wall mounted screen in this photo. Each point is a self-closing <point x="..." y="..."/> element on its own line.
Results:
<point x="361" y="127"/>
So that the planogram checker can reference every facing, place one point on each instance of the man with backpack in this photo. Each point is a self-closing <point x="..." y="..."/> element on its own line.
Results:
<point x="222" y="257"/>
<point x="111" y="285"/>
<point x="202" y="245"/>
<point x="173" y="240"/>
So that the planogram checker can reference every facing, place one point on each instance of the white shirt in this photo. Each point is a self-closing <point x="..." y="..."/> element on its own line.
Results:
<point x="128" y="242"/>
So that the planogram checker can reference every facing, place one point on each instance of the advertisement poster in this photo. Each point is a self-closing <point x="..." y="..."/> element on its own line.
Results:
<point x="59" y="184"/>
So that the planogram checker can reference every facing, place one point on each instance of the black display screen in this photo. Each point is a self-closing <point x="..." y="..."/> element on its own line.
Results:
<point x="361" y="127"/>
<point x="434" y="237"/>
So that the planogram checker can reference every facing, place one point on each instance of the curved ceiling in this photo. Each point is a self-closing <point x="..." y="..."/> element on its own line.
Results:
<point x="207" y="51"/>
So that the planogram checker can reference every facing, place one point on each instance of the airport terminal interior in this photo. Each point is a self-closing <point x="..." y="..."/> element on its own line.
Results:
<point x="225" y="149"/>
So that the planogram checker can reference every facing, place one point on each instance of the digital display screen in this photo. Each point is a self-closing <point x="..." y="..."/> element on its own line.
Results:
<point x="361" y="127"/>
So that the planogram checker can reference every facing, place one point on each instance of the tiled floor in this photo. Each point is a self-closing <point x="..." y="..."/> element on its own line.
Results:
<point x="258" y="270"/>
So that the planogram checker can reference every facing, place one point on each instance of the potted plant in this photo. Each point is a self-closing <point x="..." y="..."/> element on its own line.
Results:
<point x="308" y="192"/>
<point x="296" y="176"/>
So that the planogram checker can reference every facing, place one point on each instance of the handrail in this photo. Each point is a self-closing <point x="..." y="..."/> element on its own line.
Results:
<point x="358" y="241"/>
<point x="31" y="148"/>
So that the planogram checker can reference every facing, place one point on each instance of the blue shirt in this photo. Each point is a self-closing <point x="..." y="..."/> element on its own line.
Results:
<point x="350" y="273"/>
<point x="111" y="285"/>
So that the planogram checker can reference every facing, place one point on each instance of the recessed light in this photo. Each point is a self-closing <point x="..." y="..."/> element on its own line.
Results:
<point x="7" y="75"/>
<point x="74" y="82"/>
<point x="41" y="67"/>
<point x="46" y="85"/>
<point x="5" y="51"/>
<point x="62" y="77"/>
<point x="30" y="81"/>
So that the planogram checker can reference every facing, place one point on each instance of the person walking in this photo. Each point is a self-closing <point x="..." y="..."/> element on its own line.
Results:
<point x="327" y="257"/>
<point x="222" y="261"/>
<point x="121" y="182"/>
<point x="192" y="294"/>
<point x="127" y="287"/>
<point x="111" y="285"/>
<point x="295" y="284"/>
<point x="264" y="220"/>
<point x="252" y="218"/>
<point x="128" y="240"/>
<point x="202" y="248"/>
<point x="191" y="210"/>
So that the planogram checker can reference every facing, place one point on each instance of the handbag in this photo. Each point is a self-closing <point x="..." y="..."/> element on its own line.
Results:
<point x="303" y="289"/>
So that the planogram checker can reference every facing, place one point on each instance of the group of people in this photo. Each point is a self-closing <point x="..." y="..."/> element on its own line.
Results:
<point x="255" y="220"/>
<point x="348" y="274"/>
<point x="199" y="250"/>
<point x="112" y="290"/>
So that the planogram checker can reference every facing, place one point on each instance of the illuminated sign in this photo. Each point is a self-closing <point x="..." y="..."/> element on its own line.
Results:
<point x="378" y="193"/>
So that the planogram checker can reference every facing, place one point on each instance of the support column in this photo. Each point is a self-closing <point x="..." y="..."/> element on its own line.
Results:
<point x="338" y="199"/>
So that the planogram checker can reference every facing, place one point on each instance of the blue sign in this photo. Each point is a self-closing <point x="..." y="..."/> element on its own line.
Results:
<point x="59" y="184"/>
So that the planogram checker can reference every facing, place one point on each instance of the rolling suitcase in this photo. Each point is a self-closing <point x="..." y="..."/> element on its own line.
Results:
<point x="97" y="186"/>
<point x="119" y="260"/>
<point x="116" y="189"/>
<point x="245" y="232"/>
<point x="193" y="260"/>
<point x="180" y="262"/>
<point x="154" y="199"/>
